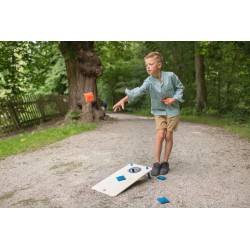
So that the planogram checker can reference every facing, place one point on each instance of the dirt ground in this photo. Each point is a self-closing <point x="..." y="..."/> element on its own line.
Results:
<point x="208" y="168"/>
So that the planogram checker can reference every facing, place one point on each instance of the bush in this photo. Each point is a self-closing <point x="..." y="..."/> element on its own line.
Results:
<point x="74" y="114"/>
<point x="188" y="111"/>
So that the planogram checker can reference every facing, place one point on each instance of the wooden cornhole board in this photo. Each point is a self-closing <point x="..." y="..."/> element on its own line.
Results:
<point x="112" y="187"/>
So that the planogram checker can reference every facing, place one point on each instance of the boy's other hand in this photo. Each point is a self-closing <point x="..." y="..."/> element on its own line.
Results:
<point x="169" y="101"/>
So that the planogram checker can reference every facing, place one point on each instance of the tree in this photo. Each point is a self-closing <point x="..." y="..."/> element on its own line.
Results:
<point x="31" y="67"/>
<point x="200" y="79"/>
<point x="83" y="67"/>
<point x="12" y="67"/>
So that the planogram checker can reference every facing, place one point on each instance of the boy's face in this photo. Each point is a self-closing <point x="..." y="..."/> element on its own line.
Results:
<point x="153" y="67"/>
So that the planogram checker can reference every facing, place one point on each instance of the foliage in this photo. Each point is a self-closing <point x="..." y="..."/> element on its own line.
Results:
<point x="12" y="67"/>
<point x="122" y="69"/>
<point x="38" y="68"/>
<point x="74" y="114"/>
<point x="228" y="78"/>
<point x="31" y="67"/>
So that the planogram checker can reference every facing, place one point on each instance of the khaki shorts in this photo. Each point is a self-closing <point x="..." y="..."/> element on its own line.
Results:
<point x="163" y="122"/>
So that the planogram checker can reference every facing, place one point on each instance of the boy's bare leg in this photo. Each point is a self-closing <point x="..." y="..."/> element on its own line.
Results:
<point x="158" y="144"/>
<point x="168" y="145"/>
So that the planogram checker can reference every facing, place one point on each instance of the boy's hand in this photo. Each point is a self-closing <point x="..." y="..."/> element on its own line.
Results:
<point x="118" y="105"/>
<point x="169" y="101"/>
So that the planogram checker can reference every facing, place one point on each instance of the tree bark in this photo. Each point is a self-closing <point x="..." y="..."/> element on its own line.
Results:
<point x="201" y="89"/>
<point x="83" y="67"/>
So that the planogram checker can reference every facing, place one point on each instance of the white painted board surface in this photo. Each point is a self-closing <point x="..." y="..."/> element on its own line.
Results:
<point x="112" y="187"/>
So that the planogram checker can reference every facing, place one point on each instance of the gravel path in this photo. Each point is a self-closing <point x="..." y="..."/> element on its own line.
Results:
<point x="208" y="168"/>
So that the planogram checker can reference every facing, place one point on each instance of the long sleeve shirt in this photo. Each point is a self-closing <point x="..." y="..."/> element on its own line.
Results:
<point x="169" y="87"/>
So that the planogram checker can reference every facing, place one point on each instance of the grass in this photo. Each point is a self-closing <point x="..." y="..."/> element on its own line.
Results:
<point x="37" y="139"/>
<point x="238" y="128"/>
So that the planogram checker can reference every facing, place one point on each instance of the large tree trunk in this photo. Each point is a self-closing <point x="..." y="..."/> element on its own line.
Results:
<point x="83" y="67"/>
<point x="200" y="81"/>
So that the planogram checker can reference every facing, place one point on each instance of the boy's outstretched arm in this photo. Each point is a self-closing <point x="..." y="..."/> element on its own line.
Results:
<point x="120" y="104"/>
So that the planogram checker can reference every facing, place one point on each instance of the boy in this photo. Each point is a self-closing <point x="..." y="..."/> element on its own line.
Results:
<point x="161" y="86"/>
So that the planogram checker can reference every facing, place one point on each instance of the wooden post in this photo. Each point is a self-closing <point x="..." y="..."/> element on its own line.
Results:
<point x="13" y="114"/>
<point x="40" y="103"/>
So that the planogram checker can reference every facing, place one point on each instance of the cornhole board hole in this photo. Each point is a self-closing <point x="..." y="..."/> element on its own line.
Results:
<point x="113" y="186"/>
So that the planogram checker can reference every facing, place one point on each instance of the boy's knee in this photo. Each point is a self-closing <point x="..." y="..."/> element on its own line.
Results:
<point x="160" y="134"/>
<point x="169" y="136"/>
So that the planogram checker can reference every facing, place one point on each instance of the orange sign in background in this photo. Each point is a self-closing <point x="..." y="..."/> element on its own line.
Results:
<point x="89" y="97"/>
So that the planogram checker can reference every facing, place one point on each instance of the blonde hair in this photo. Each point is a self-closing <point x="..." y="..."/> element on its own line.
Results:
<point x="157" y="54"/>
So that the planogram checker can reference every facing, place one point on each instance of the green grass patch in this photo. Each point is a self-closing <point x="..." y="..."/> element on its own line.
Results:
<point x="37" y="139"/>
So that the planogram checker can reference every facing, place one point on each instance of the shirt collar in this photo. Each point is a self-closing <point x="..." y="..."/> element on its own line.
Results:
<point x="155" y="79"/>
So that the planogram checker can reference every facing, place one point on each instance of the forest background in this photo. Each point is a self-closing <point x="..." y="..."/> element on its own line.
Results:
<point x="38" y="68"/>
